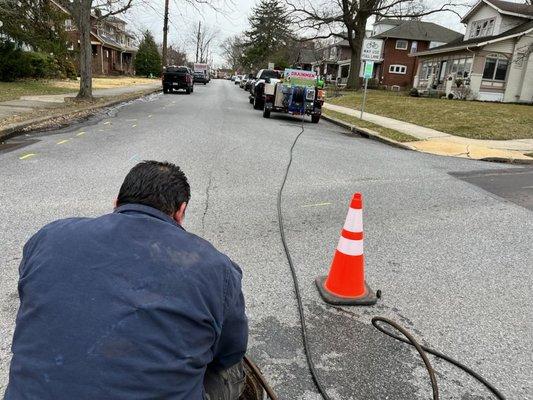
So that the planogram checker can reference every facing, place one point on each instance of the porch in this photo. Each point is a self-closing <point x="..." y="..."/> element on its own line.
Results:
<point x="479" y="75"/>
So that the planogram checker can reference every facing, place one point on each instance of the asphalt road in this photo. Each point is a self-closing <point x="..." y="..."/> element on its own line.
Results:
<point x="454" y="261"/>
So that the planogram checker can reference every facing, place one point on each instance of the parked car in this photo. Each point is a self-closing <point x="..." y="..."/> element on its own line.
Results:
<point x="177" y="77"/>
<point x="243" y="81"/>
<point x="233" y="77"/>
<point x="251" y="78"/>
<point x="199" y="77"/>
<point x="256" y="91"/>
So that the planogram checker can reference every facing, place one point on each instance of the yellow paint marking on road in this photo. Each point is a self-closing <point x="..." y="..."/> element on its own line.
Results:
<point x="107" y="123"/>
<point x="317" y="205"/>
<point x="150" y="116"/>
<point x="25" y="156"/>
<point x="63" y="141"/>
<point x="134" y="125"/>
<point x="80" y="134"/>
<point x="100" y="130"/>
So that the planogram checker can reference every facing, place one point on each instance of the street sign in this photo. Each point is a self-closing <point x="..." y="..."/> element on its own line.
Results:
<point x="367" y="74"/>
<point x="270" y="65"/>
<point x="371" y="49"/>
<point x="369" y="69"/>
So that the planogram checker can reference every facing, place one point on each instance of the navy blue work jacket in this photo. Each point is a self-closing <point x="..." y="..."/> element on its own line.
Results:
<point x="124" y="306"/>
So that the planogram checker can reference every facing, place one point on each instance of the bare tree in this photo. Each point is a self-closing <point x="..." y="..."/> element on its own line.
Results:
<point x="176" y="56"/>
<point x="347" y="19"/>
<point x="232" y="49"/>
<point x="84" y="12"/>
<point x="203" y="36"/>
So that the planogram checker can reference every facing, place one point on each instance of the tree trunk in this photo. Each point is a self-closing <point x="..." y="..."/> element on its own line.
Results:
<point x="356" y="44"/>
<point x="355" y="66"/>
<point x="83" y="20"/>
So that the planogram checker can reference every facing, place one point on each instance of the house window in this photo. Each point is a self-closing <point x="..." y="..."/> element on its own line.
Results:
<point x="107" y="54"/>
<point x="401" y="44"/>
<point x="414" y="46"/>
<point x="459" y="68"/>
<point x="495" y="68"/>
<point x="429" y="68"/>
<point x="481" y="28"/>
<point x="397" y="69"/>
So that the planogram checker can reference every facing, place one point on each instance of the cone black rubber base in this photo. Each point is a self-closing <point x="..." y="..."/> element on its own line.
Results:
<point x="368" y="299"/>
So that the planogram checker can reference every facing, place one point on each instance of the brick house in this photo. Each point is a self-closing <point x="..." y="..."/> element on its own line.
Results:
<point x="493" y="61"/>
<point x="401" y="39"/>
<point x="113" y="47"/>
<point x="332" y="61"/>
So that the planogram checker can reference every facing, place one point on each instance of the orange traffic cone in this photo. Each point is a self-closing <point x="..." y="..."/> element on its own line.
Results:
<point x="345" y="284"/>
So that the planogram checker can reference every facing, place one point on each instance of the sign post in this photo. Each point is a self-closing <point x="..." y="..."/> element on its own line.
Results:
<point x="368" y="71"/>
<point x="370" y="53"/>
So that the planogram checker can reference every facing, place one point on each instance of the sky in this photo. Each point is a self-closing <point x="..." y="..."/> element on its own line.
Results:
<point x="232" y="19"/>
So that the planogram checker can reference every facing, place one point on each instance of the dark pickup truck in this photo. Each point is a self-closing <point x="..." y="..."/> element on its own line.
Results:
<point x="177" y="78"/>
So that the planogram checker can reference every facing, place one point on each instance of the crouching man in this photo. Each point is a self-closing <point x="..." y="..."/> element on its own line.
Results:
<point x="129" y="305"/>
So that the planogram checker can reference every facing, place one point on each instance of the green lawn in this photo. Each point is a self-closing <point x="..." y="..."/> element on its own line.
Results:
<point x="13" y="90"/>
<point x="389" y="133"/>
<point x="472" y="119"/>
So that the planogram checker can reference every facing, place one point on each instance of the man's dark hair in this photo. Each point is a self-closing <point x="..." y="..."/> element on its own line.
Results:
<point x="161" y="185"/>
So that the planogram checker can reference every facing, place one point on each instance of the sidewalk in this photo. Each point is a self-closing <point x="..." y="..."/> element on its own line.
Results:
<point x="436" y="142"/>
<point x="28" y="104"/>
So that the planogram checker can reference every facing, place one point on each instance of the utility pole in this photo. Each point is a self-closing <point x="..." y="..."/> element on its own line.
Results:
<point x="165" y="34"/>
<point x="198" y="36"/>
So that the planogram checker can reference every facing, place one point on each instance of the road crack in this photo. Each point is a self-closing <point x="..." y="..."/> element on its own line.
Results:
<point x="207" y="193"/>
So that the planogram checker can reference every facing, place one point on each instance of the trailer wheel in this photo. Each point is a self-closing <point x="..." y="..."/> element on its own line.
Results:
<point x="266" y="113"/>
<point x="315" y="119"/>
<point x="165" y="90"/>
<point x="251" y="100"/>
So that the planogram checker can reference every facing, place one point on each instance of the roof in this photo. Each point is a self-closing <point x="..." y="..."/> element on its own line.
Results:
<point x="460" y="44"/>
<point x="111" y="42"/>
<point x="343" y="42"/>
<point x="420" y="30"/>
<point x="389" y="21"/>
<point x="503" y="7"/>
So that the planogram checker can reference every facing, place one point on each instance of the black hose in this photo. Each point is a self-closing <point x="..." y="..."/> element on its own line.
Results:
<point x="410" y="339"/>
<point x="303" y="327"/>
<point x="261" y="379"/>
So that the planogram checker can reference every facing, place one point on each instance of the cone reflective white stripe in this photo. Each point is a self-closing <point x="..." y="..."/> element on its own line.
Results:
<point x="350" y="247"/>
<point x="354" y="220"/>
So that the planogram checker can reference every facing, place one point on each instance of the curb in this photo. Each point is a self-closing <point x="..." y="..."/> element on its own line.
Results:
<point x="370" y="134"/>
<point x="17" y="129"/>
<point x="367" y="133"/>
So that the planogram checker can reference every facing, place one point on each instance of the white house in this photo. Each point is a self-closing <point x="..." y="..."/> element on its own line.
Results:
<point x="494" y="59"/>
